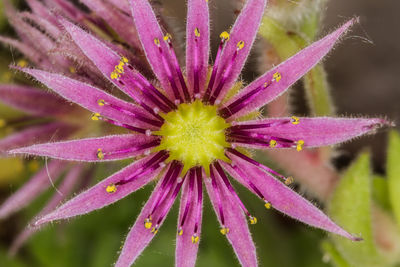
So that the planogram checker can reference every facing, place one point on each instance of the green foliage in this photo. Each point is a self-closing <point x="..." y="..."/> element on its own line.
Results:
<point x="350" y="207"/>
<point x="393" y="173"/>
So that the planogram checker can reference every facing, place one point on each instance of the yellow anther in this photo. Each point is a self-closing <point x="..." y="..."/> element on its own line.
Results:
<point x="295" y="120"/>
<point x="154" y="230"/>
<point x="147" y="223"/>
<point x="112" y="188"/>
<point x="101" y="102"/>
<point x="96" y="116"/>
<point x="225" y="36"/>
<point x="272" y="143"/>
<point x="115" y="75"/>
<point x="167" y="37"/>
<point x="100" y="154"/>
<point x="197" y="32"/>
<point x="267" y="205"/>
<point x="157" y="41"/>
<point x="195" y="238"/>
<point x="72" y="69"/>
<point x="224" y="230"/>
<point x="289" y="180"/>
<point x="2" y="123"/>
<point x="253" y="220"/>
<point x="240" y="45"/>
<point x="277" y="76"/>
<point x="299" y="145"/>
<point x="22" y="63"/>
<point x="180" y="231"/>
<point x="124" y="59"/>
<point x="266" y="84"/>
<point x="120" y="67"/>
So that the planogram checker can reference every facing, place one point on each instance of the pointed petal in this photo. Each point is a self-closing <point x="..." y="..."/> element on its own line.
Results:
<point x="186" y="250"/>
<point x="239" y="235"/>
<point x="97" y="197"/>
<point x="32" y="189"/>
<point x="139" y="237"/>
<point x="113" y="147"/>
<point x="119" y="22"/>
<point x="28" y="51"/>
<point x="197" y="48"/>
<point x="322" y="131"/>
<point x="285" y="199"/>
<point x="63" y="191"/>
<point x="33" y="101"/>
<point x="36" y="134"/>
<point x="245" y="29"/>
<point x="103" y="57"/>
<point x="88" y="96"/>
<point x="148" y="30"/>
<point x="291" y="70"/>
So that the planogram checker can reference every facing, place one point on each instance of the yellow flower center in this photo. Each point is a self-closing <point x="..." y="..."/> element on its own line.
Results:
<point x="194" y="134"/>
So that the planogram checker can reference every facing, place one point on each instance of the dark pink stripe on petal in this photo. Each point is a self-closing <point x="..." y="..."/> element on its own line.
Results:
<point x="93" y="149"/>
<point x="239" y="235"/>
<point x="245" y="29"/>
<point x="291" y="70"/>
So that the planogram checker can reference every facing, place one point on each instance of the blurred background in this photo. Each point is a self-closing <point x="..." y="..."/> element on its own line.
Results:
<point x="364" y="75"/>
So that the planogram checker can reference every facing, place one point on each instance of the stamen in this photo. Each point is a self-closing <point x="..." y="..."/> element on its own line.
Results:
<point x="196" y="71"/>
<point x="103" y="103"/>
<point x="119" y="69"/>
<point x="168" y="71"/>
<point x="299" y="145"/>
<point x="112" y="188"/>
<point x="238" y="104"/>
<point x="101" y="154"/>
<point x="224" y="230"/>
<point x="189" y="198"/>
<point x="267" y="205"/>
<point x="217" y="194"/>
<point x="199" y="198"/>
<point x="97" y="116"/>
<point x="195" y="238"/>
<point x="148" y="223"/>
<point x="167" y="39"/>
<point x="295" y="120"/>
<point x="224" y="38"/>
<point x="258" y="126"/>
<point x="230" y="188"/>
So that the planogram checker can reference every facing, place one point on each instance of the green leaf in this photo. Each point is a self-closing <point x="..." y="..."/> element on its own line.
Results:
<point x="332" y="255"/>
<point x="393" y="173"/>
<point x="350" y="207"/>
<point x="380" y="192"/>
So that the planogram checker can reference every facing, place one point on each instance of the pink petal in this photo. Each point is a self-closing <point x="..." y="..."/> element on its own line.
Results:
<point x="35" y="134"/>
<point x="322" y="131"/>
<point x="63" y="191"/>
<point x="148" y="30"/>
<point x="88" y="96"/>
<point x="97" y="197"/>
<point x="139" y="237"/>
<point x="291" y="70"/>
<point x="239" y="235"/>
<point x="119" y="22"/>
<point x="32" y="189"/>
<point x="285" y="199"/>
<point x="43" y="24"/>
<point x="87" y="149"/>
<point x="39" y="9"/>
<point x="186" y="251"/>
<point x="103" y="57"/>
<point x="33" y="101"/>
<point x="197" y="17"/>
<point x="245" y="29"/>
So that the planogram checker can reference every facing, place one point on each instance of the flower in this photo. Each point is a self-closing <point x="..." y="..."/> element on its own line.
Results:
<point x="191" y="129"/>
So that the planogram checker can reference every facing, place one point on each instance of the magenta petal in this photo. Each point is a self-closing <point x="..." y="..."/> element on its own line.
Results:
<point x="186" y="251"/>
<point x="285" y="199"/>
<point x="239" y="235"/>
<point x="245" y="29"/>
<point x="63" y="191"/>
<point x="148" y="30"/>
<point x="33" y="101"/>
<point x="88" y="96"/>
<point x="291" y="70"/>
<point x="320" y="131"/>
<point x="197" y="48"/>
<point x="97" y="197"/>
<point x="36" y="134"/>
<point x="32" y="189"/>
<point x="27" y="50"/>
<point x="139" y="237"/>
<point x="113" y="147"/>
